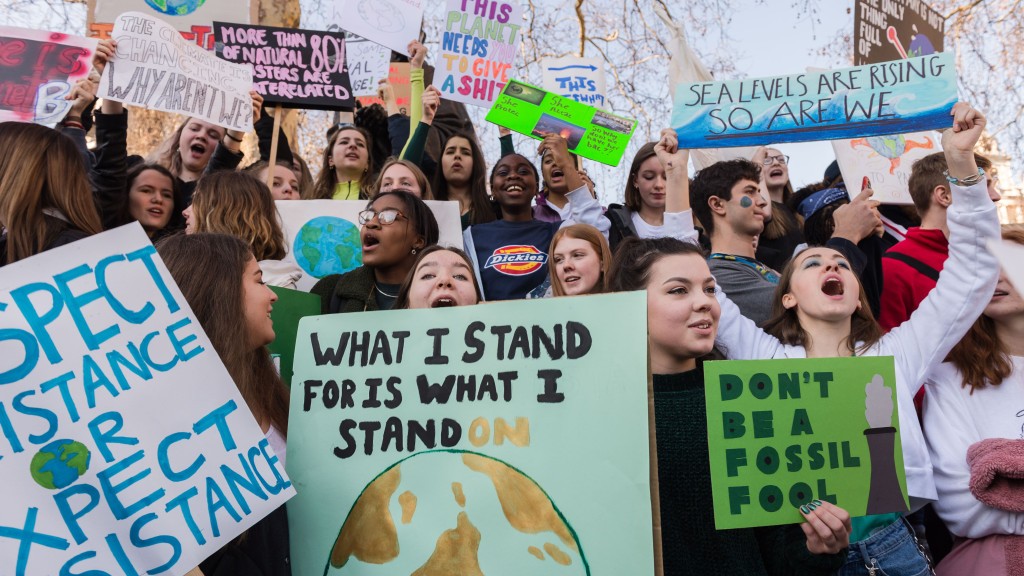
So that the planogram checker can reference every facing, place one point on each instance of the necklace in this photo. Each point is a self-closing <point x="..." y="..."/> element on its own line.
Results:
<point x="383" y="293"/>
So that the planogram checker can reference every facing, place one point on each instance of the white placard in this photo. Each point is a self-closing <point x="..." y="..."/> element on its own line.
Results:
<point x="886" y="161"/>
<point x="581" y="79"/>
<point x="154" y="67"/>
<point x="390" y="23"/>
<point x="367" y="64"/>
<point x="125" y="447"/>
<point x="1011" y="258"/>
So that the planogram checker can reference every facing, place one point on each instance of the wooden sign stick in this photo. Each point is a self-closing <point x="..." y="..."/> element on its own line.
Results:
<point x="273" y="146"/>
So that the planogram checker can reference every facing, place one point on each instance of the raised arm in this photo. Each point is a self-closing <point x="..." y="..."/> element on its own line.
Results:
<point x="970" y="274"/>
<point x="583" y="207"/>
<point x="678" y="216"/>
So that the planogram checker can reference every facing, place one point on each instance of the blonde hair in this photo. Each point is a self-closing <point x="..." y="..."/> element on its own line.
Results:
<point x="417" y="173"/>
<point x="239" y="204"/>
<point x="168" y="153"/>
<point x="41" y="169"/>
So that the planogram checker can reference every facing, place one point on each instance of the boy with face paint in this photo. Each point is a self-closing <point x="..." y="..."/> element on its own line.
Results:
<point x="727" y="201"/>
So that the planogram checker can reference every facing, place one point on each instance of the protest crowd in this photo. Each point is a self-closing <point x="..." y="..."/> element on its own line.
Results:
<point x="735" y="263"/>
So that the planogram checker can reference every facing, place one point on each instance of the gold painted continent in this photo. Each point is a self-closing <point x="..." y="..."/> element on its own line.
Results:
<point x="525" y="505"/>
<point x="369" y="532"/>
<point x="456" y="552"/>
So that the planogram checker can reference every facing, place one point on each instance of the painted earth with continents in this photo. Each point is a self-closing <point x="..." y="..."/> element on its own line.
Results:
<point x="175" y="7"/>
<point x="454" y="512"/>
<point x="328" y="245"/>
<point x="58" y="464"/>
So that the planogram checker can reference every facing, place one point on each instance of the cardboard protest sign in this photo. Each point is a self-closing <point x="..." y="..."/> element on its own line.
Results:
<point x="390" y="23"/>
<point x="477" y="50"/>
<point x="293" y="68"/>
<point x="873" y="100"/>
<point x="589" y="132"/>
<point x="398" y="77"/>
<point x="126" y="448"/>
<point x="192" y="18"/>
<point x="154" y="67"/>
<point x="37" y="70"/>
<point x="367" y="63"/>
<point x="886" y="161"/>
<point x="1011" y="259"/>
<point x="291" y="306"/>
<point x="784" y="432"/>
<point x="323" y="235"/>
<point x="507" y="438"/>
<point x="581" y="79"/>
<point x="895" y="29"/>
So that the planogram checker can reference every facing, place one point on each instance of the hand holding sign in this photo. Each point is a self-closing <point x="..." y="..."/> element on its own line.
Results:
<point x="417" y="54"/>
<point x="827" y="527"/>
<point x="858" y="219"/>
<point x="554" y="149"/>
<point x="104" y="52"/>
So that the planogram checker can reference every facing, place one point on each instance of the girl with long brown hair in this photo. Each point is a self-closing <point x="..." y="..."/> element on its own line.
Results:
<point x="45" y="197"/>
<point x="973" y="416"/>
<point x="237" y="203"/>
<point x="820" y="311"/>
<point x="223" y="285"/>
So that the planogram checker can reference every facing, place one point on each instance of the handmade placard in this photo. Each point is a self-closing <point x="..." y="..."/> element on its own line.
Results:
<point x="895" y="29"/>
<point x="293" y="68"/>
<point x="154" y="67"/>
<point x="589" y="132"/>
<point x="367" y="64"/>
<point x="782" y="433"/>
<point x="389" y="23"/>
<point x="873" y="100"/>
<point x="507" y="438"/>
<point x="886" y="161"/>
<point x="125" y="447"/>
<point x="478" y="48"/>
<point x="192" y="18"/>
<point x="581" y="79"/>
<point x="37" y="70"/>
<point x="291" y="306"/>
<point x="323" y="235"/>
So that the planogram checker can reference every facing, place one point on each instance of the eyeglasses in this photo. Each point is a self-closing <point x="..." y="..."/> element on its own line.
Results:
<point x="385" y="216"/>
<point x="780" y="159"/>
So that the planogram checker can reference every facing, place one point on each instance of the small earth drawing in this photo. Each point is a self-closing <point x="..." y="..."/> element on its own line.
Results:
<point x="175" y="7"/>
<point x="59" y="464"/>
<point x="328" y="245"/>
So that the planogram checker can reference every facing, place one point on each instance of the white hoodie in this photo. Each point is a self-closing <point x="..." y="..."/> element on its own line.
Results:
<point x="921" y="343"/>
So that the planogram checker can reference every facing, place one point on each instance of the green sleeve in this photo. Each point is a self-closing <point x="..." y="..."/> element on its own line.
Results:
<point x="507" y="147"/>
<point x="415" y="103"/>
<point x="414" y="149"/>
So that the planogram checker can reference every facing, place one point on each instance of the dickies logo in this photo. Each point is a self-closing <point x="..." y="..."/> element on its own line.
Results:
<point x="516" y="260"/>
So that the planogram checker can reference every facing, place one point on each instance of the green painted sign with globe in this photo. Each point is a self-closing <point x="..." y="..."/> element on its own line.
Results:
<point x="59" y="464"/>
<point x="175" y="7"/>
<point x="328" y="245"/>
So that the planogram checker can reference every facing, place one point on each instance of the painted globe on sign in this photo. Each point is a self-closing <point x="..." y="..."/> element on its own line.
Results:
<point x="328" y="245"/>
<point x="59" y="464"/>
<point x="455" y="512"/>
<point x="175" y="7"/>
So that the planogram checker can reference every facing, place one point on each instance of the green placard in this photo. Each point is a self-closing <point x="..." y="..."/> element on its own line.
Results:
<point x="784" y="432"/>
<point x="291" y="306"/>
<point x="590" y="132"/>
<point x="506" y="438"/>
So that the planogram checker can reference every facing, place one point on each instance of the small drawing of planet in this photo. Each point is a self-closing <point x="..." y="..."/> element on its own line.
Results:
<point x="455" y="512"/>
<point x="175" y="7"/>
<point x="328" y="245"/>
<point x="59" y="464"/>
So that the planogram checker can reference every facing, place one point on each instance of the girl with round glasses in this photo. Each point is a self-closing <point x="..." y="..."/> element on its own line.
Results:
<point x="782" y="233"/>
<point x="395" y="227"/>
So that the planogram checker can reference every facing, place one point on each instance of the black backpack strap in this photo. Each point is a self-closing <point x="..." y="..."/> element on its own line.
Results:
<point x="914" y="263"/>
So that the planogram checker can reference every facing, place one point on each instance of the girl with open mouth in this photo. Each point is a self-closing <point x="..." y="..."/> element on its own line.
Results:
<point x="442" y="277"/>
<point x="581" y="260"/>
<point x="396" y="227"/>
<point x="820" y="310"/>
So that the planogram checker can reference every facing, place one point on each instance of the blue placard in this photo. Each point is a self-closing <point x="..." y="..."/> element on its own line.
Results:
<point x="886" y="98"/>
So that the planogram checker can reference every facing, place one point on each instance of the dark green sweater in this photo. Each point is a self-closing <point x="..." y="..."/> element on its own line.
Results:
<point x="690" y="543"/>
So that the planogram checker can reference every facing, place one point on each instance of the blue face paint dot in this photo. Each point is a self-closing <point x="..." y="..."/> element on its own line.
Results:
<point x="746" y="202"/>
